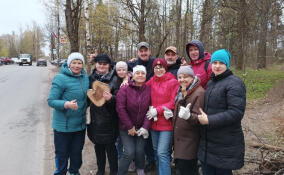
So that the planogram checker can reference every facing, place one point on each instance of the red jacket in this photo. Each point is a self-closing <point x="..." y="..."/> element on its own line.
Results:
<point x="199" y="69"/>
<point x="163" y="93"/>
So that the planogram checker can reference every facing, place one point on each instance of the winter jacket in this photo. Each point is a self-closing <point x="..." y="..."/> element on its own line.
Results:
<point x="132" y="105"/>
<point x="186" y="132"/>
<point x="163" y="93"/>
<point x="222" y="141"/>
<point x="174" y="68"/>
<point x="199" y="64"/>
<point x="103" y="128"/>
<point x="67" y="87"/>
<point x="148" y="64"/>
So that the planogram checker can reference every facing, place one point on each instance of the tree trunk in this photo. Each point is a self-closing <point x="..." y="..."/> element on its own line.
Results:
<point x="88" y="38"/>
<point x="241" y="33"/>
<point x="206" y="24"/>
<point x="261" y="52"/>
<point x="178" y="19"/>
<point x="142" y="22"/>
<point x="73" y="15"/>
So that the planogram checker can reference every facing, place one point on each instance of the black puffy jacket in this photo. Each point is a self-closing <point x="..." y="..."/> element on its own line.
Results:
<point x="103" y="128"/>
<point x="222" y="141"/>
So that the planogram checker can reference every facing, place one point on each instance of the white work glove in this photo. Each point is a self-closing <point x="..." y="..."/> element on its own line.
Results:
<point x="143" y="132"/>
<point x="152" y="113"/>
<point x="184" y="112"/>
<point x="167" y="113"/>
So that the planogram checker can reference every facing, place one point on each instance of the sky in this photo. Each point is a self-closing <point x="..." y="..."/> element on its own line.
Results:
<point x="16" y="14"/>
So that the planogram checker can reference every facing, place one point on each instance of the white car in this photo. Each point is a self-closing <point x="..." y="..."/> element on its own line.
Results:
<point x="15" y="60"/>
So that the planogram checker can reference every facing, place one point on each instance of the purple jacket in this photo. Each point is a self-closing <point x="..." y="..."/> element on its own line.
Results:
<point x="132" y="104"/>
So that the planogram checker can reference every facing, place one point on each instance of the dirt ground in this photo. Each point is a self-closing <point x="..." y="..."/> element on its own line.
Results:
<point x="263" y="123"/>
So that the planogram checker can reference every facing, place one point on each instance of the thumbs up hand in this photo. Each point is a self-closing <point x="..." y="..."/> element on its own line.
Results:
<point x="203" y="118"/>
<point x="184" y="112"/>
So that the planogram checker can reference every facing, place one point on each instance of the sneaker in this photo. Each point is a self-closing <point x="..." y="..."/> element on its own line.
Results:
<point x="131" y="167"/>
<point x="140" y="172"/>
<point x="150" y="167"/>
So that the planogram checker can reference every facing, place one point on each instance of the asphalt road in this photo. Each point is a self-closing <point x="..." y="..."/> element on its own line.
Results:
<point x="23" y="116"/>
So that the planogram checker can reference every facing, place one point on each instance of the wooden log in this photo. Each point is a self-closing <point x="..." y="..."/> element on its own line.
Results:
<point x="266" y="146"/>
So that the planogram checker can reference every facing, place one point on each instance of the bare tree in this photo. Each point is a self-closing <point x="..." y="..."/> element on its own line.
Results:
<point x="72" y="16"/>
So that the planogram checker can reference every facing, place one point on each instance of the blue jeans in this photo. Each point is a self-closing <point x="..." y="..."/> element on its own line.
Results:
<point x="133" y="150"/>
<point x="68" y="145"/>
<point x="210" y="170"/>
<point x="162" y="148"/>
<point x="119" y="147"/>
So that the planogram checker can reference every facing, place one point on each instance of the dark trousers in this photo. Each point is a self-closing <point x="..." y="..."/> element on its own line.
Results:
<point x="186" y="167"/>
<point x="68" y="145"/>
<point x="101" y="151"/>
<point x="133" y="150"/>
<point x="149" y="151"/>
<point x="210" y="170"/>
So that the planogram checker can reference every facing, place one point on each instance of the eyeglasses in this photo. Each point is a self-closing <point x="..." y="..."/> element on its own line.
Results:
<point x="159" y="68"/>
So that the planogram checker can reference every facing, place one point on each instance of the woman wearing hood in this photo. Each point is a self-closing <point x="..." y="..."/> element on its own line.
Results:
<point x="103" y="129"/>
<point x="68" y="98"/>
<point x="164" y="87"/>
<point x="200" y="61"/>
<point x="189" y="99"/>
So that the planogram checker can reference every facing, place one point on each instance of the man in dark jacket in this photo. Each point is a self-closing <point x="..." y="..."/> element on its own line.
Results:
<point x="143" y="52"/>
<point x="173" y="60"/>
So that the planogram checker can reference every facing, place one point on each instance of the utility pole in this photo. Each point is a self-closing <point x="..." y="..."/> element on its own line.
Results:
<point x="58" y="34"/>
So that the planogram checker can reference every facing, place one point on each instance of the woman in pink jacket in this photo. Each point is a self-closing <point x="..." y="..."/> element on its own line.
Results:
<point x="164" y="87"/>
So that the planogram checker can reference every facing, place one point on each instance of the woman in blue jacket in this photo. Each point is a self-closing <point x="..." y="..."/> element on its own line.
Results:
<point x="68" y="98"/>
<point x="221" y="146"/>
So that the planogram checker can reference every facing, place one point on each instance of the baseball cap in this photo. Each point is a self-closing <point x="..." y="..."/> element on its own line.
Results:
<point x="143" y="44"/>
<point x="171" y="48"/>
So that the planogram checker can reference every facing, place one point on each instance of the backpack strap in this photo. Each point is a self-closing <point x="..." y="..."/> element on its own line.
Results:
<point x="206" y="65"/>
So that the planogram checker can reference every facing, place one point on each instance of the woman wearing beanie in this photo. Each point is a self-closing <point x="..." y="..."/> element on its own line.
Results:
<point x="199" y="60"/>
<point x="189" y="99"/>
<point x="103" y="129"/>
<point x="132" y="105"/>
<point x="68" y="98"/>
<point x="221" y="147"/>
<point x="164" y="87"/>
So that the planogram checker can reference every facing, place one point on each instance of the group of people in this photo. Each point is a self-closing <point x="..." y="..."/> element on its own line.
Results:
<point x="155" y="111"/>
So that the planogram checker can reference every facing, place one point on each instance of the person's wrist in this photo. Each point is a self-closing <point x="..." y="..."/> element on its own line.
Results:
<point x="66" y="105"/>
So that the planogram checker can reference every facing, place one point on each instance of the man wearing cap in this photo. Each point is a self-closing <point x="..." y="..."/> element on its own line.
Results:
<point x="143" y="52"/>
<point x="173" y="60"/>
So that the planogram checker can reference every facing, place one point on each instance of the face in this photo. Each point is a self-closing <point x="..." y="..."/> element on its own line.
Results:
<point x="143" y="53"/>
<point x="76" y="66"/>
<point x="193" y="52"/>
<point x="102" y="67"/>
<point x="121" y="72"/>
<point x="171" y="57"/>
<point x="184" y="80"/>
<point x="139" y="77"/>
<point x="218" y="67"/>
<point x="159" y="70"/>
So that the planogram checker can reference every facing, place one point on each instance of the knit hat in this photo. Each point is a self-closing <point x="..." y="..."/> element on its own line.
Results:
<point x="186" y="70"/>
<point x="102" y="58"/>
<point x="121" y="64"/>
<point x="222" y="55"/>
<point x="75" y="56"/>
<point x="160" y="61"/>
<point x="139" y="68"/>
